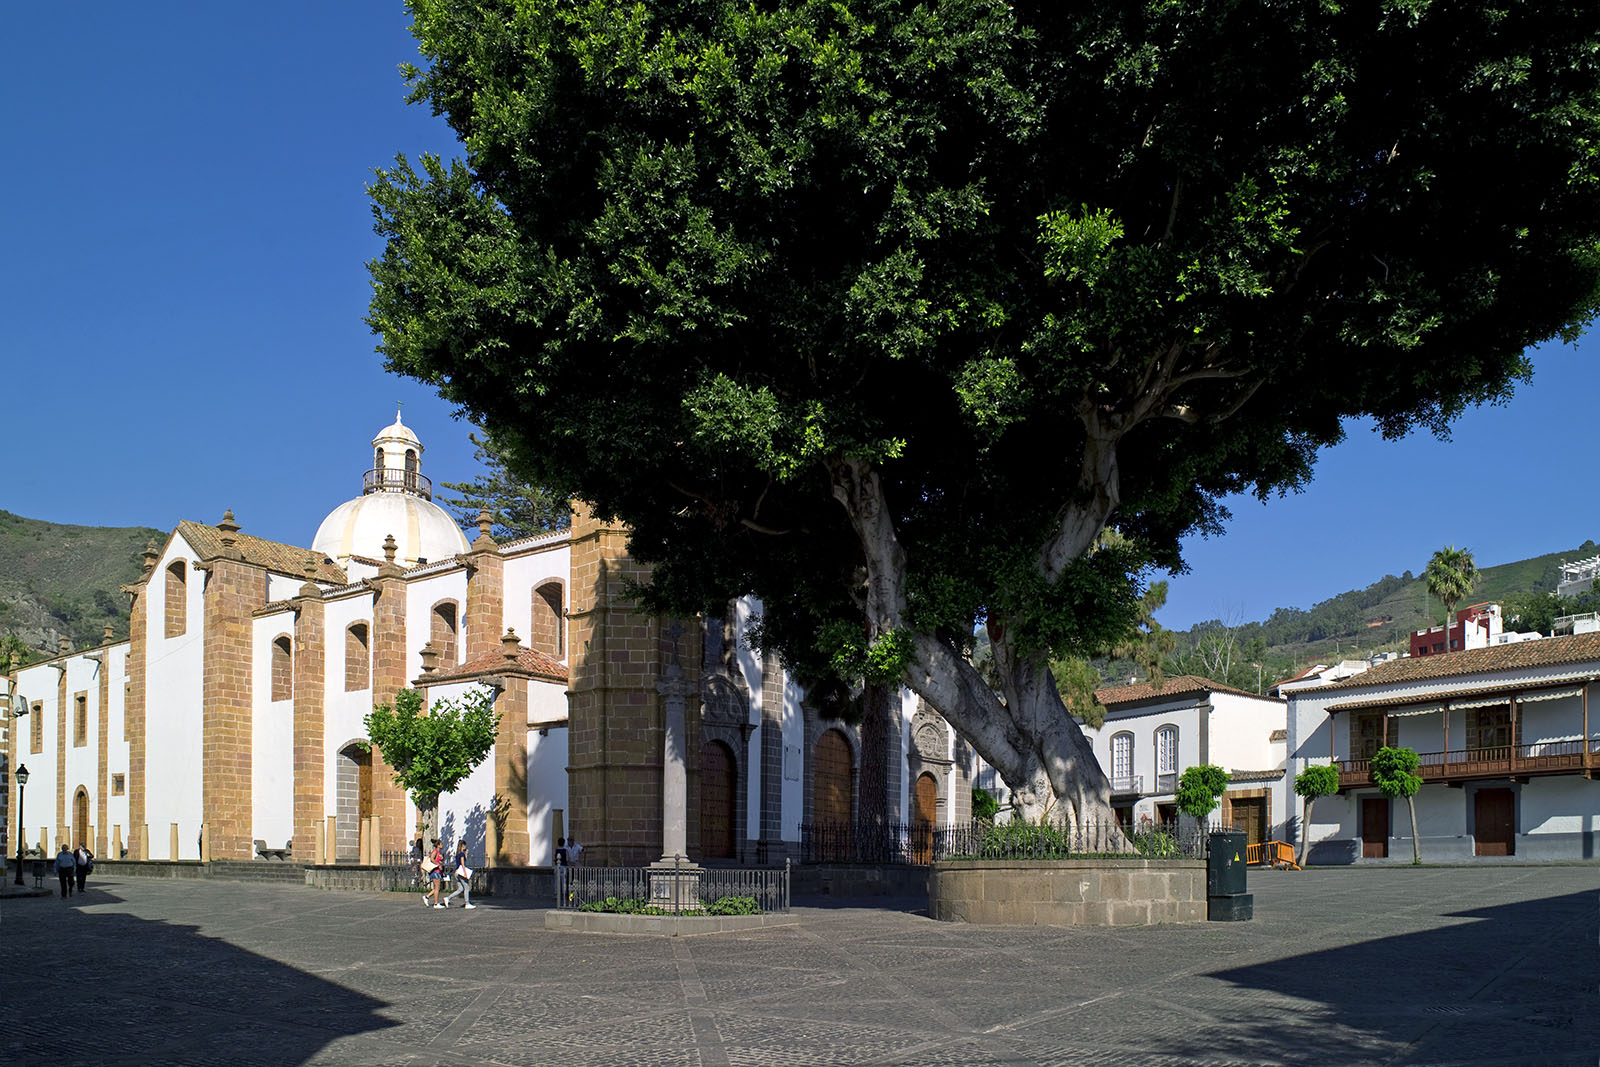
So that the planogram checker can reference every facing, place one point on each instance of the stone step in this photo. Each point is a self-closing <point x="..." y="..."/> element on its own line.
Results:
<point x="257" y="871"/>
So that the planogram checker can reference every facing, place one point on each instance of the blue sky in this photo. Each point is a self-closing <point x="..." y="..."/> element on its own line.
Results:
<point x="186" y="230"/>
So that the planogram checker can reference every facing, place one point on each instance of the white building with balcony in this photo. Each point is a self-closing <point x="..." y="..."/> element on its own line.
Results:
<point x="1510" y="754"/>
<point x="1154" y="731"/>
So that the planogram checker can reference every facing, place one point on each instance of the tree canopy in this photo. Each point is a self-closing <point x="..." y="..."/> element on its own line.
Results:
<point x="516" y="508"/>
<point x="1451" y="575"/>
<point x="432" y="752"/>
<point x="885" y="313"/>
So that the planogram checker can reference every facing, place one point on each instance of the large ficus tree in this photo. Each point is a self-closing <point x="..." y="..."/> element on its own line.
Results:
<point x="913" y="317"/>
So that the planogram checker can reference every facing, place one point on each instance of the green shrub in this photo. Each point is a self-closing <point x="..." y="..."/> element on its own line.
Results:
<point x="984" y="805"/>
<point x="1155" y="844"/>
<point x="733" y="906"/>
<point x="642" y="906"/>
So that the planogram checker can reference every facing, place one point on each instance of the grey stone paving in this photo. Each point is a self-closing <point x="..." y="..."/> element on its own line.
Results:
<point x="1430" y="966"/>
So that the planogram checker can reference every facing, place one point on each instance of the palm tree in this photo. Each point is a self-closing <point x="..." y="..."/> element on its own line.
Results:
<point x="1451" y="575"/>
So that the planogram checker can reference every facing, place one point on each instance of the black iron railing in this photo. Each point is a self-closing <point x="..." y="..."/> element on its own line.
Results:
<point x="768" y="886"/>
<point x="921" y="843"/>
<point x="396" y="480"/>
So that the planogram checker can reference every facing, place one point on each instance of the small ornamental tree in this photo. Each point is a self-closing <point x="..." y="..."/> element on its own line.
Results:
<point x="1395" y="772"/>
<point x="433" y="752"/>
<point x="1199" y="790"/>
<point x="984" y="805"/>
<point x="1317" y="780"/>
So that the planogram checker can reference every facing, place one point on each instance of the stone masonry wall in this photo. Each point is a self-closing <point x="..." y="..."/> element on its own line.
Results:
<point x="232" y="592"/>
<point x="133" y="718"/>
<point x="310" y="715"/>
<point x="388" y="678"/>
<point x="1068" y="893"/>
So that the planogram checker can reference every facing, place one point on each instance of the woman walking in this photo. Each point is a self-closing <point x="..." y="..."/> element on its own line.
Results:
<point x="435" y="874"/>
<point x="463" y="875"/>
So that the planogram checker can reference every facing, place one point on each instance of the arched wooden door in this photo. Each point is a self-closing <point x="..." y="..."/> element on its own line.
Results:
<point x="80" y="818"/>
<point x="718" y="782"/>
<point x="832" y="790"/>
<point x="924" y="817"/>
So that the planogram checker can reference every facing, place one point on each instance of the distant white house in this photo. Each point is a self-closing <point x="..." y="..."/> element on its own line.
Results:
<point x="1155" y="730"/>
<point x="1510" y="753"/>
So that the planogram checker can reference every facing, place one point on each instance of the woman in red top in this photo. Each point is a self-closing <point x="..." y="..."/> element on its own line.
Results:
<point x="436" y="876"/>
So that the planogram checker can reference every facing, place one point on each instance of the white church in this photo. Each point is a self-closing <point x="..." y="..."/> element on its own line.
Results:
<point x="230" y="724"/>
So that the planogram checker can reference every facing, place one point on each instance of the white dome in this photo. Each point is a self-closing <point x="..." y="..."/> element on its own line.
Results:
<point x="422" y="530"/>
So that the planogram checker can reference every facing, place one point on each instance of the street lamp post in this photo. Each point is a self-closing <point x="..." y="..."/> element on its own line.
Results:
<point x="22" y="834"/>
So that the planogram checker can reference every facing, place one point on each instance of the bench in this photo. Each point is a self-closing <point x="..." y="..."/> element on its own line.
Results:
<point x="263" y="852"/>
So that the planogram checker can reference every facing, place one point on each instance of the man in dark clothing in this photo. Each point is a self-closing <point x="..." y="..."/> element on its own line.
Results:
<point x="65" y="869"/>
<point x="84" y="860"/>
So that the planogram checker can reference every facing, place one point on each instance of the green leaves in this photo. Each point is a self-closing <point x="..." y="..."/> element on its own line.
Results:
<point x="1317" y="780"/>
<point x="1394" y="771"/>
<point x="433" y="752"/>
<point x="1076" y="247"/>
<point x="1199" y="789"/>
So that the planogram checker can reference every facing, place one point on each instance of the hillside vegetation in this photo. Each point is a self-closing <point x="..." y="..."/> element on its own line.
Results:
<point x="58" y="580"/>
<point x="1377" y="618"/>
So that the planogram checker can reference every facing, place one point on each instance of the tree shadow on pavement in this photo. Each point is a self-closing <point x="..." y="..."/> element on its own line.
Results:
<point x="1513" y="984"/>
<point x="100" y="987"/>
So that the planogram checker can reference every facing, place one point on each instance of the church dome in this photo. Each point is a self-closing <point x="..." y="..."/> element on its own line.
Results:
<point x="395" y="500"/>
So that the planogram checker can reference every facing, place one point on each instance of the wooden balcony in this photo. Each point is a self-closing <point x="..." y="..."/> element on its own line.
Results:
<point x="1505" y="761"/>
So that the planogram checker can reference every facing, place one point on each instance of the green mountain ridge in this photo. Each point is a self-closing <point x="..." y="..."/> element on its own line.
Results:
<point x="1377" y="618"/>
<point x="58" y="580"/>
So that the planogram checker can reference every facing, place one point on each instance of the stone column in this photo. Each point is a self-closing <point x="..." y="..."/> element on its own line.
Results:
<point x="133" y="706"/>
<point x="233" y="590"/>
<point x="310" y="697"/>
<point x="484" y="612"/>
<point x="63" y="713"/>
<point x="388" y="678"/>
<point x="103" y="740"/>
<point x="510" y="765"/>
<point x="674" y="880"/>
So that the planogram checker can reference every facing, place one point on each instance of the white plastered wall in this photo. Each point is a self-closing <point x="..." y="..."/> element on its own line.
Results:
<point x="464" y="811"/>
<point x="272" y="737"/>
<point x="793" y="794"/>
<point x="421" y="595"/>
<point x="117" y="745"/>
<point x="174" y="718"/>
<point x="344" y="712"/>
<point x="526" y="571"/>
<point x="37" y="686"/>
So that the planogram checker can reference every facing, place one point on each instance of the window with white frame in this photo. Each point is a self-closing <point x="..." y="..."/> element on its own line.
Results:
<point x="1122" y="757"/>
<point x="1167" y="759"/>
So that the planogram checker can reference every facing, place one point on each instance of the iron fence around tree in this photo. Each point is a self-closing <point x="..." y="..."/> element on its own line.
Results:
<point x="399" y="873"/>
<point x="768" y="886"/>
<point x="919" y="844"/>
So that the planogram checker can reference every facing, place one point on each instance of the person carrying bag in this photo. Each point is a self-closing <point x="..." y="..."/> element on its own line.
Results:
<point x="463" y="878"/>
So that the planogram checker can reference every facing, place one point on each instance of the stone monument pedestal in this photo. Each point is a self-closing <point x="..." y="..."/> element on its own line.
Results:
<point x="675" y="884"/>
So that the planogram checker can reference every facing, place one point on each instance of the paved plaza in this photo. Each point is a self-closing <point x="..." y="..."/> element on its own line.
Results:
<point x="1481" y="965"/>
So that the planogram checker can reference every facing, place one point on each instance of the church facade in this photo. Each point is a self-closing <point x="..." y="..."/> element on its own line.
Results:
<point x="230" y="723"/>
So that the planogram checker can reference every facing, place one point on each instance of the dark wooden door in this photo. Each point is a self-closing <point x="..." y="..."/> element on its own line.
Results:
<point x="832" y="784"/>
<point x="1494" y="819"/>
<point x="924" y="818"/>
<point x="80" y="819"/>
<point x="717" y="797"/>
<point x="364" y="785"/>
<point x="1250" y="815"/>
<point x="1374" y="828"/>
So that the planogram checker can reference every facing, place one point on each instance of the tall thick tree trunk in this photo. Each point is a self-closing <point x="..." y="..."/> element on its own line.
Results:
<point x="1028" y="737"/>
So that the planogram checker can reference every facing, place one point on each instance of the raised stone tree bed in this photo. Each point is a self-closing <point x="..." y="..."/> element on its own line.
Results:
<point x="1074" y="892"/>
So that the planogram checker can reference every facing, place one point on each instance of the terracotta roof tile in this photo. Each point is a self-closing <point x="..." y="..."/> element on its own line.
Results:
<point x="1255" y="776"/>
<point x="1546" y="652"/>
<point x="1436" y="696"/>
<point x="1177" y="685"/>
<point x="529" y="662"/>
<point x="272" y="555"/>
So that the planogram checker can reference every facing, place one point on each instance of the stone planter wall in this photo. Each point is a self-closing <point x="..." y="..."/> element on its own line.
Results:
<point x="853" y="880"/>
<point x="1130" y="892"/>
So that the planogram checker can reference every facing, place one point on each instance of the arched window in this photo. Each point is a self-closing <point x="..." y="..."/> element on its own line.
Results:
<point x="282" y="668"/>
<point x="411" y="470"/>
<point x="549" y="620"/>
<point x="1167" y="759"/>
<point x="357" y="660"/>
<point x="177" y="599"/>
<point x="1121" y="762"/>
<point x="442" y="632"/>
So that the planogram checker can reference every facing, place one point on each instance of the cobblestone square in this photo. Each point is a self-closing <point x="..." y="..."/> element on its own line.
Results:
<point x="1437" y="965"/>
